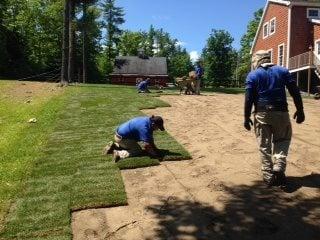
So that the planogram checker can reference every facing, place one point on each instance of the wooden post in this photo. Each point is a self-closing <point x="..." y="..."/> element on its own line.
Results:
<point x="309" y="70"/>
<point x="309" y="80"/>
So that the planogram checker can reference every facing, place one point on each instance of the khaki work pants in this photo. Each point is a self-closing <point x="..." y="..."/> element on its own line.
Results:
<point x="273" y="132"/>
<point x="130" y="147"/>
<point x="198" y="86"/>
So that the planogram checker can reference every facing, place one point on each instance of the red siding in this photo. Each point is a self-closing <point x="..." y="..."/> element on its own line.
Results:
<point x="280" y="12"/>
<point x="316" y="32"/>
<point x="131" y="80"/>
<point x="301" y="31"/>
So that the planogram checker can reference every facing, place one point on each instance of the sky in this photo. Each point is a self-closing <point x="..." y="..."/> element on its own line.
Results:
<point x="191" y="21"/>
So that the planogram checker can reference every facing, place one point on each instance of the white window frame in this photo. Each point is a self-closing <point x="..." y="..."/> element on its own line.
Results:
<point x="317" y="48"/>
<point x="283" y="47"/>
<point x="275" y="25"/>
<point x="311" y="9"/>
<point x="263" y="32"/>
<point x="271" y="53"/>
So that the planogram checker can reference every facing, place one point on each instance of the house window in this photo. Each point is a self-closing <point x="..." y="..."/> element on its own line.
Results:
<point x="313" y="13"/>
<point x="270" y="51"/>
<point x="266" y="30"/>
<point x="280" y="55"/>
<point x="272" y="26"/>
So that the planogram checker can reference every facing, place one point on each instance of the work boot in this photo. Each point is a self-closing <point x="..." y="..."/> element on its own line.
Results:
<point x="280" y="179"/>
<point x="115" y="156"/>
<point x="271" y="181"/>
<point x="109" y="148"/>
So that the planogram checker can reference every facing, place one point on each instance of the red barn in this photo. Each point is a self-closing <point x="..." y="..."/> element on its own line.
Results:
<point x="290" y="30"/>
<point x="129" y="68"/>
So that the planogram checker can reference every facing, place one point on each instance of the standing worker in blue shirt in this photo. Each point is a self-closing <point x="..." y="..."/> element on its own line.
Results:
<point x="128" y="134"/>
<point x="199" y="74"/>
<point x="265" y="89"/>
<point x="143" y="86"/>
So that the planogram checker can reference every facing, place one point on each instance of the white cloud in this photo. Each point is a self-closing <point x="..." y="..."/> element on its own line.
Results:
<point x="161" y="17"/>
<point x="182" y="44"/>
<point x="194" y="55"/>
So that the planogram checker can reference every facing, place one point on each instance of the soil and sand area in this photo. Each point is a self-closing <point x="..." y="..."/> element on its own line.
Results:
<point x="219" y="193"/>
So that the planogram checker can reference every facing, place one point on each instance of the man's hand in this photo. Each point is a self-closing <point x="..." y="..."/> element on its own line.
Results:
<point x="247" y="124"/>
<point x="152" y="150"/>
<point x="299" y="116"/>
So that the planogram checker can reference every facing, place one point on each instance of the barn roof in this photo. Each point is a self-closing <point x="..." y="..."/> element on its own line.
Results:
<point x="140" y="66"/>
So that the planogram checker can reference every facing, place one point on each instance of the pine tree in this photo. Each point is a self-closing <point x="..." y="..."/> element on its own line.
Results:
<point x="246" y="44"/>
<point x="65" y="44"/>
<point x="113" y="17"/>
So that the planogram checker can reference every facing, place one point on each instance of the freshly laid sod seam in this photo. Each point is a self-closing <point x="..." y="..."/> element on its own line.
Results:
<point x="71" y="174"/>
<point x="170" y="149"/>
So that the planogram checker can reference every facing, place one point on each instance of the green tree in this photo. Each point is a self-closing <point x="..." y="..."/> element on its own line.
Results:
<point x="180" y="63"/>
<point x="91" y="49"/>
<point x="218" y="57"/>
<point x="130" y="43"/>
<point x="246" y="45"/>
<point x="65" y="44"/>
<point x="150" y="41"/>
<point x="113" y="17"/>
<point x="3" y="40"/>
<point x="85" y="22"/>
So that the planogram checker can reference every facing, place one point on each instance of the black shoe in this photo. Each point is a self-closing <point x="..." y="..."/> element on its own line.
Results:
<point x="280" y="179"/>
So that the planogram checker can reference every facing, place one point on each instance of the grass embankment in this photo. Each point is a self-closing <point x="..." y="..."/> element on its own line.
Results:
<point x="20" y="141"/>
<point x="70" y="173"/>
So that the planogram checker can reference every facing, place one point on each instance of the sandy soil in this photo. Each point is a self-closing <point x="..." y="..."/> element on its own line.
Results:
<point x="27" y="91"/>
<point x="218" y="194"/>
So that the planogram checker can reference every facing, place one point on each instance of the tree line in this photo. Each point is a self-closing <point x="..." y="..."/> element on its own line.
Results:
<point x="78" y="40"/>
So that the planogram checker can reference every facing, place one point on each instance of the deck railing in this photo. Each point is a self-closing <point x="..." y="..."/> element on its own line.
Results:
<point x="303" y="60"/>
<point x="316" y="62"/>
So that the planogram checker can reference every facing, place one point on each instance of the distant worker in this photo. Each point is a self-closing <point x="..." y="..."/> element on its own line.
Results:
<point x="265" y="89"/>
<point x="128" y="134"/>
<point x="143" y="86"/>
<point x="199" y="73"/>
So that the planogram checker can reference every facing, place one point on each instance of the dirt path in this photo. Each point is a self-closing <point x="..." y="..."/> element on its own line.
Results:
<point x="218" y="194"/>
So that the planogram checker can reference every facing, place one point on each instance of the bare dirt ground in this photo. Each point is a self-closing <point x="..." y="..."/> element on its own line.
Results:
<point x="26" y="91"/>
<point x="219" y="193"/>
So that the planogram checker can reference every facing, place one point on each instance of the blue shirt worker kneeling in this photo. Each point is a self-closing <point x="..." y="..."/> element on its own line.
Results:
<point x="143" y="86"/>
<point x="265" y="89"/>
<point x="129" y="134"/>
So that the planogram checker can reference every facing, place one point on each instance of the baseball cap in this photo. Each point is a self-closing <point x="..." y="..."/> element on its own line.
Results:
<point x="157" y="120"/>
<point x="260" y="57"/>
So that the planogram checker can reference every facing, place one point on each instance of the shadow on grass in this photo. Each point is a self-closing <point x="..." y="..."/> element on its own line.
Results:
<point x="251" y="212"/>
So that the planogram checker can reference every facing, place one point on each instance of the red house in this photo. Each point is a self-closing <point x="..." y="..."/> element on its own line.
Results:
<point x="130" y="68"/>
<point x="290" y="30"/>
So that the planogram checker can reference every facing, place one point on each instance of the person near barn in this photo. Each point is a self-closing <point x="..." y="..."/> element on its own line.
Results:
<point x="199" y="73"/>
<point x="143" y="86"/>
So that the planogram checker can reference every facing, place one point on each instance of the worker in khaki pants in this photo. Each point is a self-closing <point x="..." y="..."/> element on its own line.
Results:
<point x="265" y="89"/>
<point x="128" y="135"/>
<point x="199" y="74"/>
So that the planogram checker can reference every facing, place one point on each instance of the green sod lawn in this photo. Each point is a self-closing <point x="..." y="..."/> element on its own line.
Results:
<point x="50" y="168"/>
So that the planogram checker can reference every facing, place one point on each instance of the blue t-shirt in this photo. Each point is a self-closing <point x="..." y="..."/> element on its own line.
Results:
<point x="267" y="85"/>
<point x="138" y="128"/>
<point x="143" y="85"/>
<point x="199" y="71"/>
